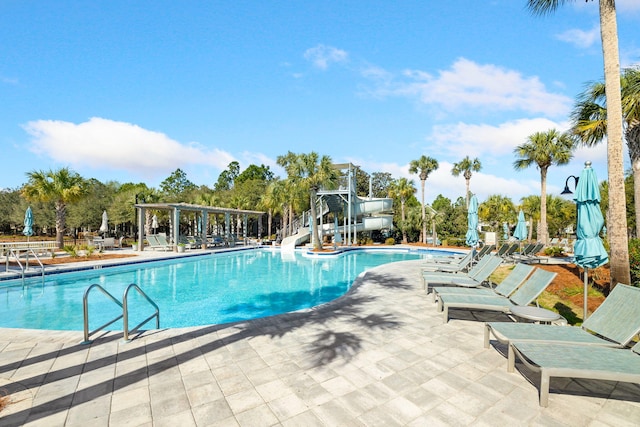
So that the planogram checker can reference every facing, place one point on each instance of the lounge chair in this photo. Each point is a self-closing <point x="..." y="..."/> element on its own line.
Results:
<point x="472" y="281"/>
<point x="615" y="323"/>
<point x="528" y="253"/>
<point x="503" y="249"/>
<point x="526" y="293"/>
<point x="510" y="251"/>
<point x="432" y="276"/>
<point x="508" y="285"/>
<point x="455" y="266"/>
<point x="485" y="250"/>
<point x="157" y="241"/>
<point x="577" y="361"/>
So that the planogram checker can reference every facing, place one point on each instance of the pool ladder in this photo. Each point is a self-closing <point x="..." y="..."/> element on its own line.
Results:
<point x="125" y="311"/>
<point x="23" y="269"/>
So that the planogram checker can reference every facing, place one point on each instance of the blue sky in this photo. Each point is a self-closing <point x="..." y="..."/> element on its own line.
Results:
<point x="130" y="91"/>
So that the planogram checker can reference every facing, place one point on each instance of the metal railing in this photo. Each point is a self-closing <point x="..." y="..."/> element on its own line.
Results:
<point x="12" y="253"/>
<point x="125" y="311"/>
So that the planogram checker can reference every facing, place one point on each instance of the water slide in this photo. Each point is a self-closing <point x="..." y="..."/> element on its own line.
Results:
<point x="362" y="207"/>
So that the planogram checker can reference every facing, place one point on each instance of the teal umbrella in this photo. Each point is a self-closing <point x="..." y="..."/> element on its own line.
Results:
<point x="28" y="223"/>
<point x="472" y="223"/>
<point x="28" y="228"/>
<point x="588" y="249"/>
<point x="520" y="232"/>
<point x="505" y="231"/>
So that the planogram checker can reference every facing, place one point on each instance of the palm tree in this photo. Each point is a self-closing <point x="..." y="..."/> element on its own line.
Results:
<point x="62" y="187"/>
<point x="590" y="122"/>
<point x="544" y="149"/>
<point x="402" y="189"/>
<point x="424" y="166"/>
<point x="272" y="201"/>
<point x="617" y="224"/>
<point x="465" y="167"/>
<point x="312" y="172"/>
<point x="496" y="210"/>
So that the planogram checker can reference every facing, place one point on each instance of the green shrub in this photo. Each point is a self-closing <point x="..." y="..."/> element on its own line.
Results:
<point x="634" y="261"/>
<point x="554" y="251"/>
<point x="71" y="250"/>
<point x="390" y="241"/>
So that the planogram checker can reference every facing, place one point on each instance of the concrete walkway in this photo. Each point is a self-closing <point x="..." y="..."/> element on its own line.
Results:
<point x="380" y="356"/>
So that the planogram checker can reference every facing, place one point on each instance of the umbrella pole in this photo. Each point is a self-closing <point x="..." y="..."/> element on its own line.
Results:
<point x="586" y="285"/>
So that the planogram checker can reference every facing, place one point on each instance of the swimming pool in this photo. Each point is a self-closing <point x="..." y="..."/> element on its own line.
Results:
<point x="193" y="291"/>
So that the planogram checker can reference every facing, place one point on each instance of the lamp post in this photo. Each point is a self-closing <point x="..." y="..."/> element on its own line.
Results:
<point x="566" y="191"/>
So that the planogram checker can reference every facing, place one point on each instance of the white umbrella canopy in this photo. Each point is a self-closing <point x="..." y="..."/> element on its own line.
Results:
<point x="104" y="227"/>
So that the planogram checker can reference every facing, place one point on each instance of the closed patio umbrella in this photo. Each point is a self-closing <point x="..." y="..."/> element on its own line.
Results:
<point x="588" y="249"/>
<point x="28" y="229"/>
<point x="154" y="223"/>
<point x="505" y="231"/>
<point x="104" y="227"/>
<point x="521" y="231"/>
<point x="28" y="223"/>
<point x="472" y="223"/>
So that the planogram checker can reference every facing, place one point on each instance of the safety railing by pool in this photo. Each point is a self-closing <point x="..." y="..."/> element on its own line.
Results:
<point x="125" y="311"/>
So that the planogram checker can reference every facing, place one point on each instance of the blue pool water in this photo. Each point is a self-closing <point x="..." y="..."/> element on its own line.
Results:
<point x="191" y="291"/>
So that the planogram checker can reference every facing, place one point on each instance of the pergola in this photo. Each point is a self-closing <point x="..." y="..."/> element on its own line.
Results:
<point x="174" y="213"/>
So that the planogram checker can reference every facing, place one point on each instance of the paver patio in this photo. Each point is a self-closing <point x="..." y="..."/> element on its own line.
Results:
<point x="379" y="356"/>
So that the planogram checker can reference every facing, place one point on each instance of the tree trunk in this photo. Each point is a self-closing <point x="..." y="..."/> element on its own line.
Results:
<point x="617" y="227"/>
<point x="632" y="135"/>
<point x="316" y="242"/>
<point x="467" y="181"/>
<point x="424" y="222"/>
<point x="543" y="237"/>
<point x="61" y="221"/>
<point x="404" y="228"/>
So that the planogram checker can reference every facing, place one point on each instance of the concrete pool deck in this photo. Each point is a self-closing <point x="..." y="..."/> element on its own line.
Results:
<point x="378" y="356"/>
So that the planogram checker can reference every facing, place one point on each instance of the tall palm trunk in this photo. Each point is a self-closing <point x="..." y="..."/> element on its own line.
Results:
<point x="632" y="135"/>
<point x="617" y="227"/>
<point x="61" y="223"/>
<point x="543" y="237"/>
<point x="467" y="181"/>
<point x="316" y="242"/>
<point x="423" y="180"/>
<point x="404" y="223"/>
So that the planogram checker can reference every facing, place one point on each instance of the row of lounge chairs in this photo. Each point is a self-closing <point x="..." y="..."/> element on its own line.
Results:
<point x="159" y="242"/>
<point x="597" y="350"/>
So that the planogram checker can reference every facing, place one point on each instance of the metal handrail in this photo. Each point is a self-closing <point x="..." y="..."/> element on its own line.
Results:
<point x="16" y="255"/>
<point x="125" y="311"/>
<point x="85" y="309"/>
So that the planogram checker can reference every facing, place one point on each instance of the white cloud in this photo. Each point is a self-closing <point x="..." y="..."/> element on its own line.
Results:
<point x="484" y="140"/>
<point x="628" y="5"/>
<point x="322" y="56"/>
<point x="468" y="84"/>
<point x="580" y="38"/>
<point x="107" y="144"/>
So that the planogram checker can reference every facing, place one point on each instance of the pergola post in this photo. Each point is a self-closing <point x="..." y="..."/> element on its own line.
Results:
<point x="141" y="214"/>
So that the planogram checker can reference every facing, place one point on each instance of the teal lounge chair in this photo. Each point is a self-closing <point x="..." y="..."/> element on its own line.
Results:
<point x="577" y="361"/>
<point x="525" y="294"/>
<point x="615" y="323"/>
<point x="508" y="285"/>
<point x="453" y="267"/>
<point x="431" y="276"/>
<point x="157" y="241"/>
<point x="472" y="281"/>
